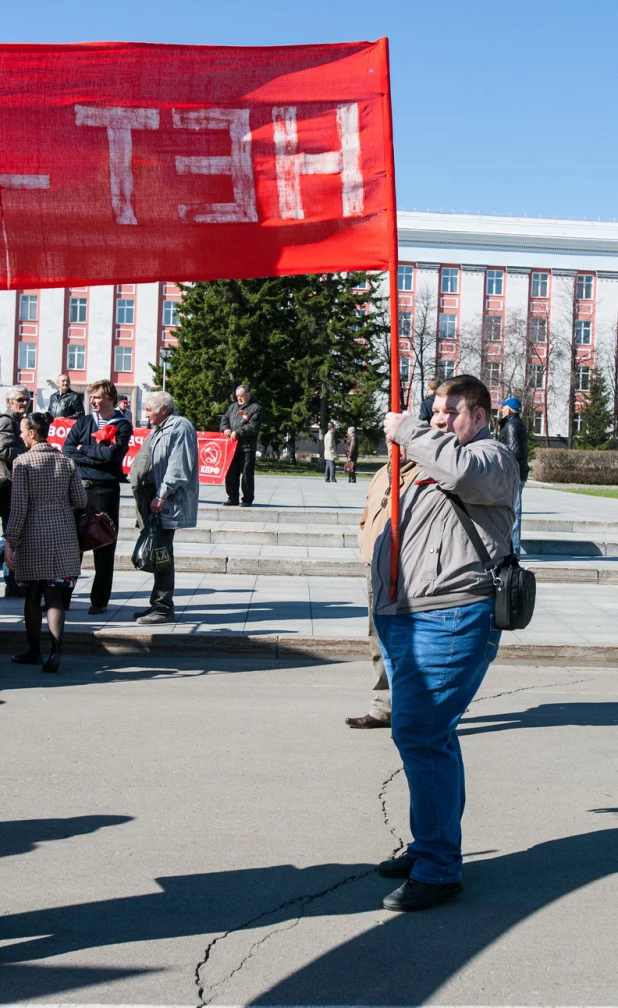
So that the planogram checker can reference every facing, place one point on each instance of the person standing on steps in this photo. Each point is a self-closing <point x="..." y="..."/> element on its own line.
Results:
<point x="351" y="450"/>
<point x="11" y="445"/>
<point x="165" y="482"/>
<point x="41" y="537"/>
<point x="65" y="402"/>
<point x="330" y="453"/>
<point x="123" y="406"/>
<point x="97" y="444"/>
<point x="438" y="637"/>
<point x="514" y="435"/>
<point x="242" y="422"/>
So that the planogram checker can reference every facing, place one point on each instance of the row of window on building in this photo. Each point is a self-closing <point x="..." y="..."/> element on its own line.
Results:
<point x="78" y="310"/>
<point x="77" y="313"/>
<point x="492" y="328"/>
<point x="536" y="374"/>
<point x="494" y="282"/>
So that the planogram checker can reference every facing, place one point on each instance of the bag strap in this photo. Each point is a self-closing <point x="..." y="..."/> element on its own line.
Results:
<point x="471" y="530"/>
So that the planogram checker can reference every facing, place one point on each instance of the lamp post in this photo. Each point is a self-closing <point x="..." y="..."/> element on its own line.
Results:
<point x="164" y="355"/>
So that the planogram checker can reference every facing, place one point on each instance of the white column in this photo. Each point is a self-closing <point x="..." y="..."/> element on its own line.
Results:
<point x="100" y="331"/>
<point x="146" y="338"/>
<point x="8" y="320"/>
<point x="51" y="341"/>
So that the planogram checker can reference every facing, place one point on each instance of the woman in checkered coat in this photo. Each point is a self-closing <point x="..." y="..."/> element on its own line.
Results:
<point x="41" y="535"/>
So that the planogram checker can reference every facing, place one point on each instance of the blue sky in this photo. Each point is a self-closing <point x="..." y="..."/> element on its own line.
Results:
<point x="498" y="107"/>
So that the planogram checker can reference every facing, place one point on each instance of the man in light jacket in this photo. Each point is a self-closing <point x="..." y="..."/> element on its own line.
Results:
<point x="330" y="453"/>
<point x="438" y="636"/>
<point x="172" y="471"/>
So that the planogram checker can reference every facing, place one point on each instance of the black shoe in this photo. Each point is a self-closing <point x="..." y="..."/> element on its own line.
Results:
<point x="53" y="662"/>
<point x="230" y="503"/>
<point x="155" y="617"/>
<point x="246" y="504"/>
<point x="397" y="867"/>
<point x="414" y="895"/>
<point x="97" y="610"/>
<point x="27" y="658"/>
<point x="142" y="612"/>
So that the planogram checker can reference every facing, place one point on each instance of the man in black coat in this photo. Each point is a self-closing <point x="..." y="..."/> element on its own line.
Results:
<point x="65" y="402"/>
<point x="98" y="443"/>
<point x="514" y="435"/>
<point x="427" y="404"/>
<point x="242" y="423"/>
<point x="351" y="450"/>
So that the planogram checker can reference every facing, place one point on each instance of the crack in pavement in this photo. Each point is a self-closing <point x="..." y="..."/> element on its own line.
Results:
<point x="303" y="901"/>
<point x="523" y="689"/>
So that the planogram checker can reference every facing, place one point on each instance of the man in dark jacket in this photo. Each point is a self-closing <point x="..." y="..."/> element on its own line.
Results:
<point x="242" y="423"/>
<point x="427" y="404"/>
<point x="11" y="445"/>
<point x="65" y="402"/>
<point x="98" y="444"/>
<point x="351" y="450"/>
<point x="514" y="435"/>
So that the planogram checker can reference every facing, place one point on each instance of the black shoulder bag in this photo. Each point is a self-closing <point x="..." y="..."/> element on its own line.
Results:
<point x="515" y="586"/>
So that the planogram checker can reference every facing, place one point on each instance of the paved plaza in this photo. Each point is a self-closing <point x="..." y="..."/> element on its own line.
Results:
<point x="187" y="832"/>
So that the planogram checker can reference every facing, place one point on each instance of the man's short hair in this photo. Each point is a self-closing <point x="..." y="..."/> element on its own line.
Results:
<point x="433" y="384"/>
<point x="106" y="388"/>
<point x="16" y="390"/>
<point x="63" y="375"/>
<point x="159" y="399"/>
<point x="469" y="388"/>
<point x="245" y="388"/>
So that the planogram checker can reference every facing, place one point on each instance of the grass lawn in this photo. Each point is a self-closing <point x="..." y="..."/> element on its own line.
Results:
<point x="591" y="492"/>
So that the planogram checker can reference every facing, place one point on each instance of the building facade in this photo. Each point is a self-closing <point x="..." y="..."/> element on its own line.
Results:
<point x="529" y="305"/>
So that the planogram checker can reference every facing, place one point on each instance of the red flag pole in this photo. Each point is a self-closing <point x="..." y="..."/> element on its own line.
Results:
<point x="393" y="259"/>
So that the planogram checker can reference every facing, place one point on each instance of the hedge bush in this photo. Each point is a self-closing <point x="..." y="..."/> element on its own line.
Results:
<point x="561" y="465"/>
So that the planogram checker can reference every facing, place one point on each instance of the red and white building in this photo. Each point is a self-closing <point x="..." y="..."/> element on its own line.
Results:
<point x="521" y="301"/>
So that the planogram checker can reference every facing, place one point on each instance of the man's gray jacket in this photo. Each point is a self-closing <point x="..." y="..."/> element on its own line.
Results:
<point x="173" y="454"/>
<point x="439" y="567"/>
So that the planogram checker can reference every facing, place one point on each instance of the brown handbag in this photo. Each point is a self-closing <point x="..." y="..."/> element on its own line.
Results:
<point x="349" y="467"/>
<point x="94" y="529"/>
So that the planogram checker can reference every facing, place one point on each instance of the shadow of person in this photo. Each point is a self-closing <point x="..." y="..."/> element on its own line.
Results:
<point x="596" y="715"/>
<point x="416" y="953"/>
<point x="410" y="956"/>
<point x="24" y="835"/>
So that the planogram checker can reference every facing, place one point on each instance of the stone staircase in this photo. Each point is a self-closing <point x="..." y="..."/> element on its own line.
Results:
<point x="322" y="542"/>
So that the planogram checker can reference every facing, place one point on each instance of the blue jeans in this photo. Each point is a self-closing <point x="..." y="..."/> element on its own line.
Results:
<point x="435" y="662"/>
<point x="517" y="525"/>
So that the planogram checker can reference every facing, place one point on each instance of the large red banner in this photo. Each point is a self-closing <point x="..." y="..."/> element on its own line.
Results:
<point x="124" y="161"/>
<point x="215" y="451"/>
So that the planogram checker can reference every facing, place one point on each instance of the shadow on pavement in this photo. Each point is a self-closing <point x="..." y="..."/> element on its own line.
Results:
<point x="408" y="958"/>
<point x="24" y="835"/>
<point x="401" y="962"/>
<point x="545" y="716"/>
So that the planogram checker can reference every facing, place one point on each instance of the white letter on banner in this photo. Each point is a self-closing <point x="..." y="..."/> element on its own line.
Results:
<point x="290" y="165"/>
<point x="24" y="181"/>
<point x="119" y="122"/>
<point x="238" y="165"/>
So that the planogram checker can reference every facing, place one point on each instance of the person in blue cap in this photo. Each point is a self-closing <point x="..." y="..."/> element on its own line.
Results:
<point x="514" y="435"/>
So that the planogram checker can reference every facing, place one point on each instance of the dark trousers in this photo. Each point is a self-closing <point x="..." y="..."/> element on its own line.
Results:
<point x="241" y="474"/>
<point x="162" y="595"/>
<point x="104" y="498"/>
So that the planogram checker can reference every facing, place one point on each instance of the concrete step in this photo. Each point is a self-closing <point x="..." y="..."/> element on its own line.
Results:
<point x="346" y="537"/>
<point x="590" y="527"/>
<point x="260" y="534"/>
<point x="318" y="561"/>
<point x="263" y="513"/>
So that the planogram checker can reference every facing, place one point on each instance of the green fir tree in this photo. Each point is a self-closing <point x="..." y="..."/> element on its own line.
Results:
<point x="596" y="415"/>
<point x="299" y="341"/>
